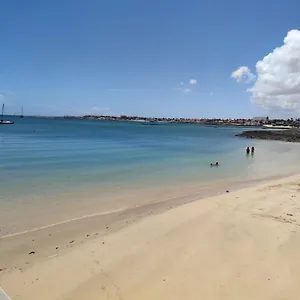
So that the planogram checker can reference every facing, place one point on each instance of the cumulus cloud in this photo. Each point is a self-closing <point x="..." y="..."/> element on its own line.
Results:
<point x="193" y="81"/>
<point x="243" y="74"/>
<point x="100" y="110"/>
<point x="278" y="76"/>
<point x="187" y="91"/>
<point x="7" y="97"/>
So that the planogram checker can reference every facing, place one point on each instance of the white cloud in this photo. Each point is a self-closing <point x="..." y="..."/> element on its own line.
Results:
<point x="187" y="91"/>
<point x="100" y="110"/>
<point x="193" y="81"/>
<point x="7" y="97"/>
<point x="243" y="74"/>
<point x="278" y="76"/>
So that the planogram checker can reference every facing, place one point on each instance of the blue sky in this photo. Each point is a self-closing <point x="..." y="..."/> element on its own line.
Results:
<point x="138" y="57"/>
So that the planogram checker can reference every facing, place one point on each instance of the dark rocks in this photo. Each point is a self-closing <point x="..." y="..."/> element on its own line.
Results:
<point x="32" y="252"/>
<point x="289" y="135"/>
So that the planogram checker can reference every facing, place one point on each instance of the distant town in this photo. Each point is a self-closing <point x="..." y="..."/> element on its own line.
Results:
<point x="257" y="121"/>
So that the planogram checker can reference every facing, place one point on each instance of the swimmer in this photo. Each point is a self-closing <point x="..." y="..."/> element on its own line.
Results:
<point x="248" y="150"/>
<point x="252" y="150"/>
<point x="215" y="165"/>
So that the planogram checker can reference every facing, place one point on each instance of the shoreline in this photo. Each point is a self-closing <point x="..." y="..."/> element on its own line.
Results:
<point x="287" y="135"/>
<point x="98" y="204"/>
<point x="17" y="264"/>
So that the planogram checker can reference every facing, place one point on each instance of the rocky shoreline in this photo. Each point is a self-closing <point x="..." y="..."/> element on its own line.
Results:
<point x="290" y="135"/>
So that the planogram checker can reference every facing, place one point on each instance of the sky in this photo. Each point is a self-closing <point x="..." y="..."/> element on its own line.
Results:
<point x="151" y="58"/>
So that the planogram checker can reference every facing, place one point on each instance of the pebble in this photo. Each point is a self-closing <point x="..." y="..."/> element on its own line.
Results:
<point x="32" y="252"/>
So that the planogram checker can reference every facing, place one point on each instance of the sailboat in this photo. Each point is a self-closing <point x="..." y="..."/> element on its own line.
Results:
<point x="22" y="113"/>
<point x="3" y="122"/>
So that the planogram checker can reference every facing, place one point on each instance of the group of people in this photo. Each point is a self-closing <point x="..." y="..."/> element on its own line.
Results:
<point x="248" y="150"/>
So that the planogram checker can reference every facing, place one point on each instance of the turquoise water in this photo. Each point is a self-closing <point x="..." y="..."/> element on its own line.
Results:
<point x="41" y="154"/>
<point x="43" y="158"/>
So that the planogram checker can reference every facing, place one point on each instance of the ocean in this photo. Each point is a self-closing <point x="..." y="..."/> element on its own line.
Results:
<point x="64" y="168"/>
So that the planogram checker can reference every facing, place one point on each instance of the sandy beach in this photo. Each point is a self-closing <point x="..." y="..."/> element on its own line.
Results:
<point x="238" y="245"/>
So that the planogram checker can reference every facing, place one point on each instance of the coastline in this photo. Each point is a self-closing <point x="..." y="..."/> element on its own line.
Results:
<point x="81" y="204"/>
<point x="169" y="236"/>
<point x="286" y="135"/>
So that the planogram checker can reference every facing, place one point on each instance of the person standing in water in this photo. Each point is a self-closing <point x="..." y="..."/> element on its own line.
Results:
<point x="247" y="150"/>
<point x="252" y="150"/>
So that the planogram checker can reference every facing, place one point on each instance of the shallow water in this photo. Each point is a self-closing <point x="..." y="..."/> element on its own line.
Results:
<point x="48" y="165"/>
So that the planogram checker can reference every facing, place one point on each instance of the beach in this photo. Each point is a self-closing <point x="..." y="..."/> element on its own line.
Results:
<point x="53" y="169"/>
<point x="241" y="244"/>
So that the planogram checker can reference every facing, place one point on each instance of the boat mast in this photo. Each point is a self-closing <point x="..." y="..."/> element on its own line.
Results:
<point x="2" y="112"/>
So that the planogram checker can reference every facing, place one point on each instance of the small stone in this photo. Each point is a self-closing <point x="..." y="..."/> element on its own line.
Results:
<point x="290" y="215"/>
<point x="72" y="242"/>
<point x="56" y="248"/>
<point x="103" y="243"/>
<point x="87" y="235"/>
<point x="227" y="191"/>
<point x="32" y="252"/>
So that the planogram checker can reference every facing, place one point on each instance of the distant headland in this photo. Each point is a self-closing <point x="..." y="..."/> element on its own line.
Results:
<point x="258" y="121"/>
<point x="290" y="135"/>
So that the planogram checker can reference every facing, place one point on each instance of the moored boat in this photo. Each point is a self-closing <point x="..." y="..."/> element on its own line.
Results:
<point x="4" y="122"/>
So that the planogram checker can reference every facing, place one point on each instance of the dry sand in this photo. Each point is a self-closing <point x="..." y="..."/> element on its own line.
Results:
<point x="239" y="245"/>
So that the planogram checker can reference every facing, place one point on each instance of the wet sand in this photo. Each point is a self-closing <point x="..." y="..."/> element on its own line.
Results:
<point x="241" y="244"/>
